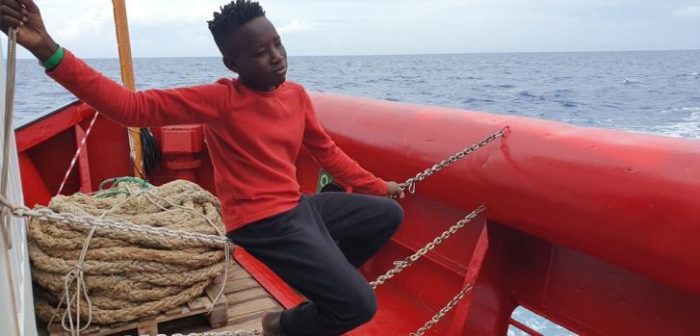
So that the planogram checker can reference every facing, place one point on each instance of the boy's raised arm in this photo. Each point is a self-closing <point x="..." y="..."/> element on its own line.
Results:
<point x="198" y="104"/>
<point x="338" y="163"/>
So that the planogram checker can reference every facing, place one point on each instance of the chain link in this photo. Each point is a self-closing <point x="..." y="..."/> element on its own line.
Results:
<point x="410" y="184"/>
<point x="408" y="261"/>
<point x="450" y="305"/>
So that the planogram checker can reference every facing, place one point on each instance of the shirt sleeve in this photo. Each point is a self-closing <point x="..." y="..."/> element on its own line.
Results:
<point x="333" y="159"/>
<point x="149" y="108"/>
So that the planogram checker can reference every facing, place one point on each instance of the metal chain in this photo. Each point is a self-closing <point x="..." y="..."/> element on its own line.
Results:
<point x="408" y="261"/>
<point x="47" y="214"/>
<point x="410" y="184"/>
<point x="450" y="305"/>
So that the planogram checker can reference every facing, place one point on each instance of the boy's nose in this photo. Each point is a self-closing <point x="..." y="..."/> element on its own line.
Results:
<point x="276" y="55"/>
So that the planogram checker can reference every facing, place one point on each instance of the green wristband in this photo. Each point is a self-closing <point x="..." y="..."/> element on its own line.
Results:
<point x="54" y="60"/>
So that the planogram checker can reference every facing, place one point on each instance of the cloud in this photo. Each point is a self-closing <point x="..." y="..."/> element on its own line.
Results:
<point x="296" y="27"/>
<point x="692" y="11"/>
<point x="91" y="23"/>
<point x="178" y="27"/>
<point x="157" y="12"/>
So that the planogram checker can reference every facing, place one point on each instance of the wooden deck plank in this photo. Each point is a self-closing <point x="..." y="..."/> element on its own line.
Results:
<point x="246" y="295"/>
<point x="241" y="308"/>
<point x="250" y="310"/>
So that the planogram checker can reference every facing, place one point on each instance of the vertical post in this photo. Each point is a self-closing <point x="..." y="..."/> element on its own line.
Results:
<point x="127" y="71"/>
<point x="461" y="314"/>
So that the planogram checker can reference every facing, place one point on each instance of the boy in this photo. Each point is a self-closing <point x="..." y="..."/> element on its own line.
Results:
<point x="255" y="127"/>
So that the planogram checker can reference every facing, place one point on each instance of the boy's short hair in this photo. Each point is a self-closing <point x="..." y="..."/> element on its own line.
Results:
<point x="232" y="16"/>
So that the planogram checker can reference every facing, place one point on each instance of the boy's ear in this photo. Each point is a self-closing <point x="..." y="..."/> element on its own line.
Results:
<point x="230" y="64"/>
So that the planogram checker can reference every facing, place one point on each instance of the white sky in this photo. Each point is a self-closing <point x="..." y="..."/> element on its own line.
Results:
<point x="350" y="27"/>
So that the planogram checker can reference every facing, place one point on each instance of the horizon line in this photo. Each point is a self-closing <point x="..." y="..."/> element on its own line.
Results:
<point x="415" y="54"/>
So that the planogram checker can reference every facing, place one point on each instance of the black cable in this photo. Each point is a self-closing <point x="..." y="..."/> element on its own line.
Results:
<point x="151" y="151"/>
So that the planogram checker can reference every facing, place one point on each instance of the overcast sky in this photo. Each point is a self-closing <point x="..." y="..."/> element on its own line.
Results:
<point x="352" y="27"/>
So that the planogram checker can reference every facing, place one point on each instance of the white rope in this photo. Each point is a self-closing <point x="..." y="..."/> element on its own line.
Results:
<point x="9" y="104"/>
<point x="5" y="218"/>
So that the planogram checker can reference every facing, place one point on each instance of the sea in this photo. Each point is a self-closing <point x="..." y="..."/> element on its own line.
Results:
<point x="637" y="91"/>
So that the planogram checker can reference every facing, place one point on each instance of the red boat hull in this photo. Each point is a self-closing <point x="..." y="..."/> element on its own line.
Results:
<point x="593" y="229"/>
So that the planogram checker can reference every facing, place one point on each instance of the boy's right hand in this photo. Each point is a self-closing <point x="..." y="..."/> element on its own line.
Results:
<point x="24" y="16"/>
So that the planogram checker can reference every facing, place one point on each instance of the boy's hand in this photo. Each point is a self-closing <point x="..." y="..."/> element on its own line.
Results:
<point x="24" y="16"/>
<point x="394" y="190"/>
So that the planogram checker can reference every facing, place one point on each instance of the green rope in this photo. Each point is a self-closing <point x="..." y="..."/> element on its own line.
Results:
<point x="113" y="190"/>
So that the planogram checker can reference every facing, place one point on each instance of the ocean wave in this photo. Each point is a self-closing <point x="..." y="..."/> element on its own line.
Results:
<point x="688" y="127"/>
<point x="691" y="109"/>
<point x="567" y="103"/>
<point x="499" y="86"/>
<point x="527" y="94"/>
<point x="477" y="101"/>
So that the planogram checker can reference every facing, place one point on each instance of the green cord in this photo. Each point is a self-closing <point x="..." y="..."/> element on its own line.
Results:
<point x="113" y="190"/>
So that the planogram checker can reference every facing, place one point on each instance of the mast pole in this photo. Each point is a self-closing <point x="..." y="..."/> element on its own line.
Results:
<point x="127" y="71"/>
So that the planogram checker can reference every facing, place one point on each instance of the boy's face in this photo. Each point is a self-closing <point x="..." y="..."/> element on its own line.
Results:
<point x="259" y="58"/>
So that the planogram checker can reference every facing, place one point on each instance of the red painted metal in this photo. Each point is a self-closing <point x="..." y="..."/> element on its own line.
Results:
<point x="82" y="157"/>
<point x="49" y="126"/>
<point x="593" y="229"/>
<point x="181" y="146"/>
<point x="81" y="137"/>
<point x="49" y="143"/>
<point x="461" y="314"/>
<point x="627" y="198"/>
<point x="182" y="139"/>
<point x="33" y="187"/>
<point x="619" y="206"/>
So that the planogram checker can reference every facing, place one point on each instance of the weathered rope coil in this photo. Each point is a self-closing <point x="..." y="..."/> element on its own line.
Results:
<point x="123" y="276"/>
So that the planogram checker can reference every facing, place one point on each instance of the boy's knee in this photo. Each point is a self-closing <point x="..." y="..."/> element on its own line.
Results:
<point x="394" y="213"/>
<point x="363" y="306"/>
<point x="358" y="307"/>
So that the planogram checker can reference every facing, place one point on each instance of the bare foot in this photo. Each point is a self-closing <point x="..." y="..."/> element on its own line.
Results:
<point x="271" y="323"/>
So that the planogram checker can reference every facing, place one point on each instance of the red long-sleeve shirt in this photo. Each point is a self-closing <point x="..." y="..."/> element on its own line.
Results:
<point x="253" y="137"/>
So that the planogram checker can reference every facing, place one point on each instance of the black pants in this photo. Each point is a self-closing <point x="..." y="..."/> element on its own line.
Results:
<point x="316" y="248"/>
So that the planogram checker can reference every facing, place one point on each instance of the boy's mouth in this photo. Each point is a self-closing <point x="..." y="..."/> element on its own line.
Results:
<point x="281" y="70"/>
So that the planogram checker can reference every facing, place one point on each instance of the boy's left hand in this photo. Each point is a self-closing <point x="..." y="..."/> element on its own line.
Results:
<point x="394" y="190"/>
